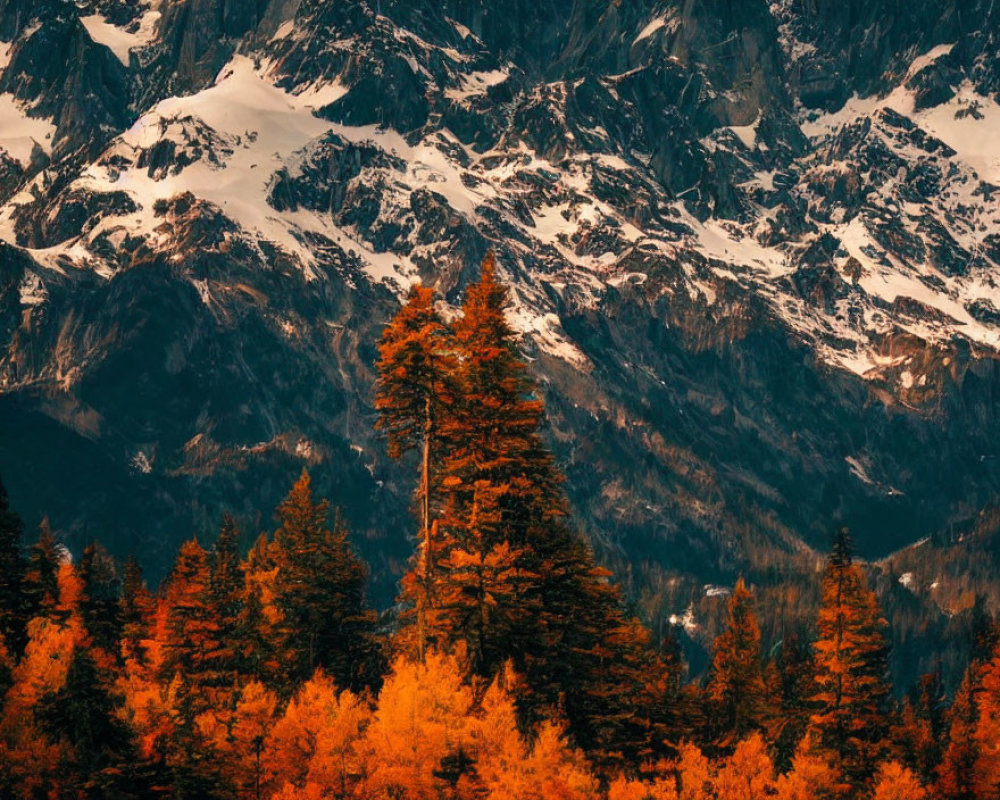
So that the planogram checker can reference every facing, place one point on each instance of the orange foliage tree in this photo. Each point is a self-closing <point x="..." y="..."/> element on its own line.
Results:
<point x="315" y="746"/>
<point x="811" y="776"/>
<point x="736" y="688"/>
<point x="414" y="394"/>
<point x="851" y="718"/>
<point x="511" y="579"/>
<point x="747" y="774"/>
<point x="896" y="782"/>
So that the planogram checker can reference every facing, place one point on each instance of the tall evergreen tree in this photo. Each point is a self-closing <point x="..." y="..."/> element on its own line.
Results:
<point x="99" y="603"/>
<point x="495" y="434"/>
<point x="259" y="619"/>
<point x="984" y="633"/>
<point x="226" y="590"/>
<point x="414" y="394"/>
<point x="852" y="696"/>
<point x="515" y="580"/>
<point x="672" y="713"/>
<point x="499" y="485"/>
<point x="135" y="611"/>
<point x="41" y="581"/>
<point x="736" y="689"/>
<point x="196" y="771"/>
<point x="193" y="648"/>
<point x="918" y="735"/>
<point x="13" y="601"/>
<point x="795" y="676"/>
<point x="483" y="594"/>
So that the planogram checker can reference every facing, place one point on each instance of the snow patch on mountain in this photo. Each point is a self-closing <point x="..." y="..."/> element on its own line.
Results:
<point x="478" y="83"/>
<point x="968" y="123"/>
<point x="121" y="41"/>
<point x="656" y="24"/>
<point x="262" y="124"/>
<point x="930" y="57"/>
<point x="20" y="132"/>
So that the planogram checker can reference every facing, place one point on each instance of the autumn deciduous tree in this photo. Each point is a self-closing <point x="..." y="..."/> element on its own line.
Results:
<point x="811" y="776"/>
<point x="553" y="768"/>
<point x="851" y="718"/>
<point x="29" y="759"/>
<point x="252" y="722"/>
<point x="504" y="764"/>
<point x="747" y="774"/>
<point x="623" y="788"/>
<point x="422" y="718"/>
<point x="314" y="746"/>
<point x="695" y="775"/>
<point x="896" y="782"/>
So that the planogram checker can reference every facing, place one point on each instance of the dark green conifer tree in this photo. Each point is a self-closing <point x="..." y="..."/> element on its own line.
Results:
<point x="135" y="611"/>
<point x="226" y="592"/>
<point x="13" y="566"/>
<point x="193" y="649"/>
<point x="196" y="771"/>
<point x="41" y="581"/>
<point x="100" y="600"/>
<point x="104" y="763"/>
<point x="319" y="590"/>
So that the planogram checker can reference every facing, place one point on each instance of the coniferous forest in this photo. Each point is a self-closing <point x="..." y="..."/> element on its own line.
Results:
<point x="510" y="666"/>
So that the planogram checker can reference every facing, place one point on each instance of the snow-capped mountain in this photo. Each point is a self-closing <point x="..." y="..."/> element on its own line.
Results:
<point x="753" y="249"/>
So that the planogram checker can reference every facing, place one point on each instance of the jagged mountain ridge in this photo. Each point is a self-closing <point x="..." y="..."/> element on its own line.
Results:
<point x="711" y="215"/>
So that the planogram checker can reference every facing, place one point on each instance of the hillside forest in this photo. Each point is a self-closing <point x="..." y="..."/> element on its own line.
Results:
<point x="509" y="668"/>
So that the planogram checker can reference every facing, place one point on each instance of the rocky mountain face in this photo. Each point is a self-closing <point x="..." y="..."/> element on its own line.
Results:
<point x="753" y="249"/>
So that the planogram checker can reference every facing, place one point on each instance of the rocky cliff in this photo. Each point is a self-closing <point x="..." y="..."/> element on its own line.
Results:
<point x="752" y="247"/>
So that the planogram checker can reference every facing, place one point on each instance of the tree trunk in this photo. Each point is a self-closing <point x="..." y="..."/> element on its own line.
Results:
<point x="426" y="566"/>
